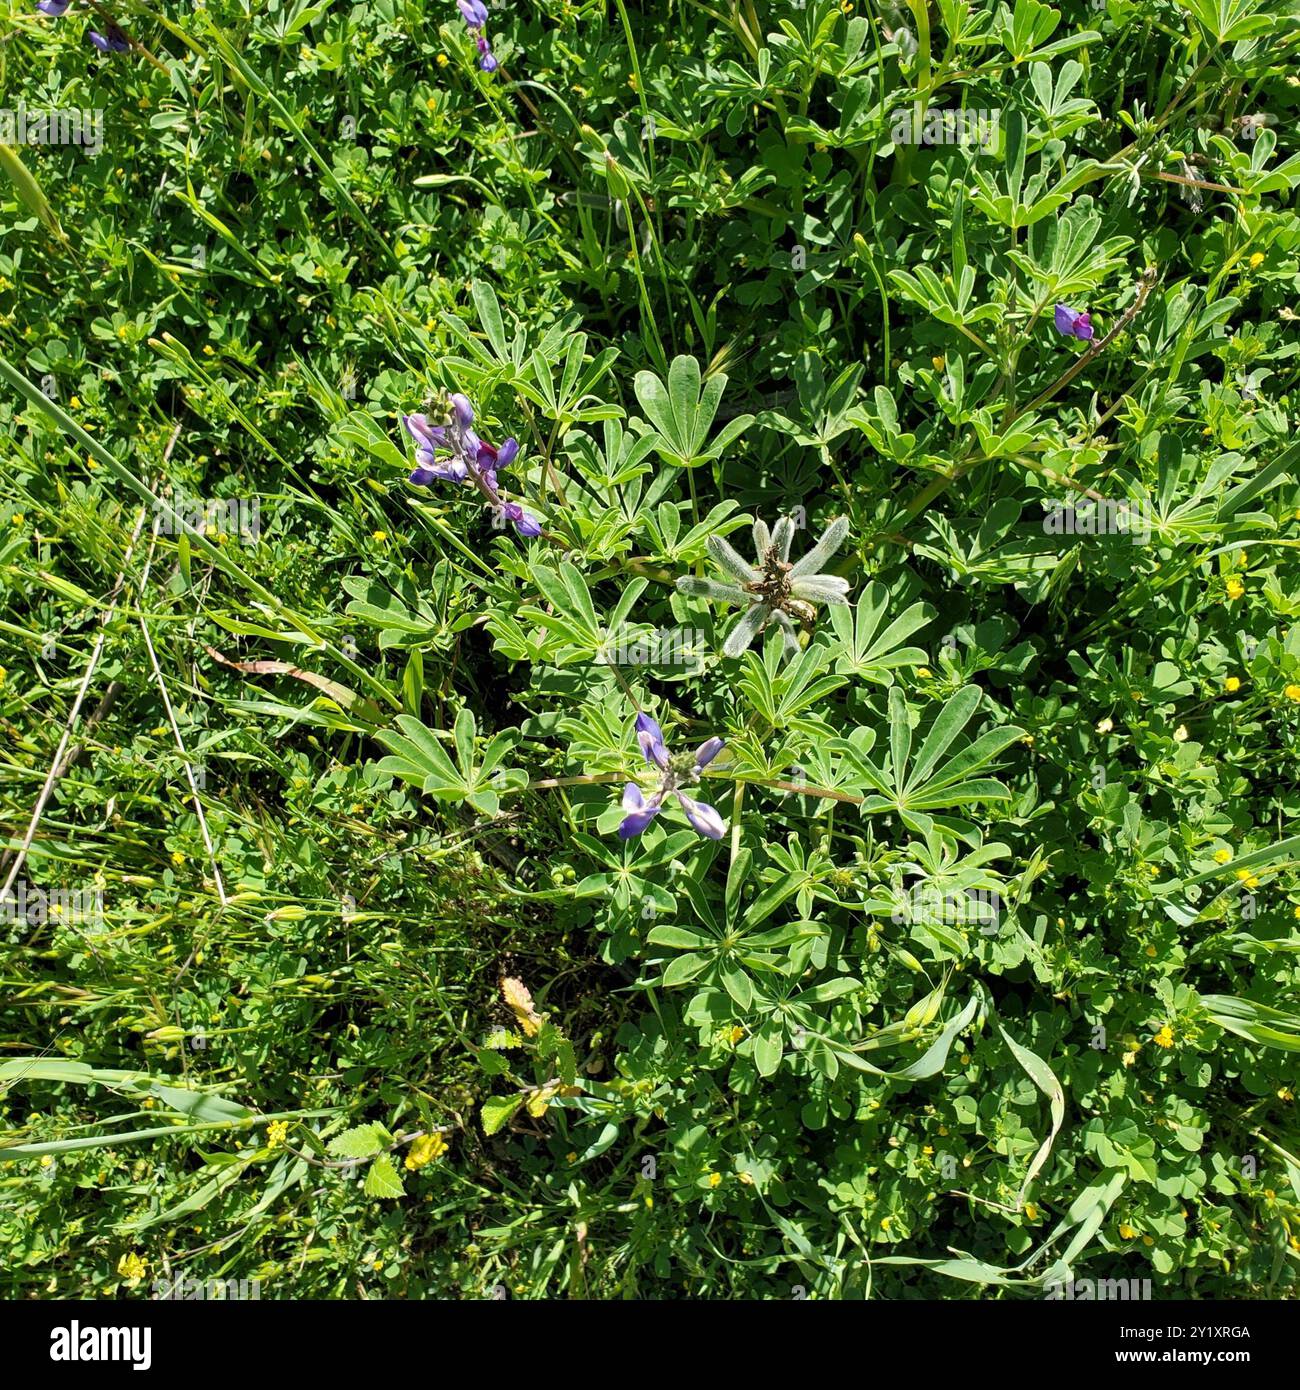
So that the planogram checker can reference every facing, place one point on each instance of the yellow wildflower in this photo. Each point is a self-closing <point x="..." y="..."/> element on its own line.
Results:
<point x="1234" y="588"/>
<point x="1104" y="726"/>
<point x="132" y="1268"/>
<point x="1221" y="856"/>
<point x="1165" y="1037"/>
<point x="177" y="858"/>
<point x="1292" y="692"/>
<point x="714" y="1179"/>
<point x="1232" y="685"/>
<point x="430" y="1146"/>
<point x="1127" y="1231"/>
<point x="1257" y="260"/>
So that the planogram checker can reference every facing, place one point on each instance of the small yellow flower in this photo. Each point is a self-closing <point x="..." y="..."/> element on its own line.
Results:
<point x="441" y="61"/>
<point x="1148" y="1240"/>
<point x="943" y="1131"/>
<point x="1257" y="260"/>
<point x="1165" y="1037"/>
<point x="570" y="1157"/>
<point x="75" y="402"/>
<point x="1151" y="952"/>
<point x="1104" y="726"/>
<point x="1234" y="588"/>
<point x="1127" y="1231"/>
<point x="430" y="1146"/>
<point x="379" y="536"/>
<point x="1180" y="734"/>
<point x="937" y="363"/>
<point x="1292" y="693"/>
<point x="1031" y="1211"/>
<point x="923" y="672"/>
<point x="714" y="1179"/>
<point x="276" y="1133"/>
<point x="928" y="1150"/>
<point x="736" y="1034"/>
<point x="47" y="1160"/>
<point x="132" y="1268"/>
<point x="177" y="858"/>
<point x="1285" y="1093"/>
<point x="1232" y="685"/>
<point x="17" y="519"/>
<point x="1129" y="1058"/>
<point x="1221" y="856"/>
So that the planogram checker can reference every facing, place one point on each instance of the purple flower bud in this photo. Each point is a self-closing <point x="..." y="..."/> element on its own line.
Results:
<point x="115" y="41"/>
<point x="1072" y="323"/>
<point x="488" y="62"/>
<point x="55" y="8"/>
<point x="426" y="436"/>
<point x="526" y="525"/>
<point x="651" y="738"/>
<point x="446" y="471"/>
<point x="463" y="410"/>
<point x="473" y="12"/>
<point x="640" y="811"/>
<point x="704" y="818"/>
<point x="708" y="750"/>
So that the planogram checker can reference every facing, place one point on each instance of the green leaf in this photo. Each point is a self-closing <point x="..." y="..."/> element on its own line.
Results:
<point x="497" y="1111"/>
<point x="383" y="1179"/>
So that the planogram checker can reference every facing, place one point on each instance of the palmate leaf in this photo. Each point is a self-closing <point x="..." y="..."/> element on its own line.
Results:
<point x="915" y="786"/>
<point x="779" y="695"/>
<point x="417" y="757"/>
<point x="870" y="654"/>
<point x="682" y="413"/>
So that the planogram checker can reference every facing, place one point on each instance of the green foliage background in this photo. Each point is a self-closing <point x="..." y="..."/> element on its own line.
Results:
<point x="676" y="251"/>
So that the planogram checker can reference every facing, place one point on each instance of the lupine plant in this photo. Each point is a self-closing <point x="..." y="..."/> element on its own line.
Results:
<point x="751" y="751"/>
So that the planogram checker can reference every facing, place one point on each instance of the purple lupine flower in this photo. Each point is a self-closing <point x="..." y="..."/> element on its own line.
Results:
<point x="54" y="8"/>
<point x="115" y="41"/>
<point x="475" y="15"/>
<point x="684" y="768"/>
<point x="527" y="526"/>
<point x="1072" y="323"/>
<point x="453" y="452"/>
